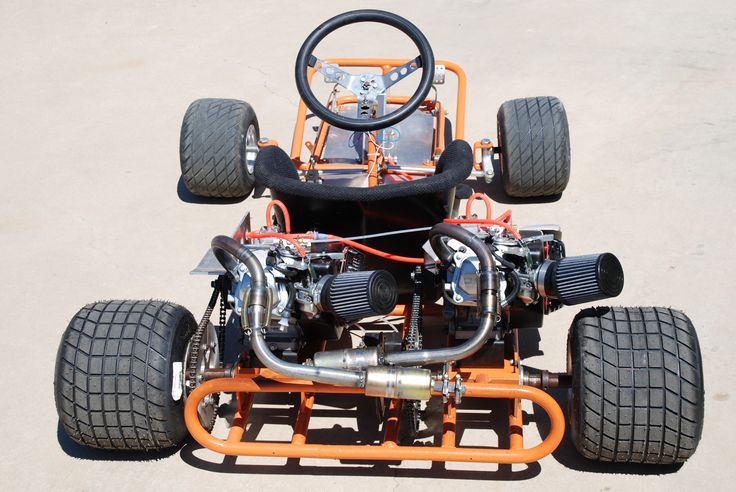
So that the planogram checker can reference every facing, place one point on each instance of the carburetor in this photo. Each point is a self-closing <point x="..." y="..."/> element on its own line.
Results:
<point x="534" y="276"/>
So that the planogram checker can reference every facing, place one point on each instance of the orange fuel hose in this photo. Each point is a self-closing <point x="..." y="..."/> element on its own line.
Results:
<point x="284" y="210"/>
<point x="378" y="252"/>
<point x="502" y="220"/>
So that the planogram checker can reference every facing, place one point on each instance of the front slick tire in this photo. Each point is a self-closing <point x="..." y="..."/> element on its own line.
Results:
<point x="535" y="147"/>
<point x="216" y="148"/>
<point x="114" y="375"/>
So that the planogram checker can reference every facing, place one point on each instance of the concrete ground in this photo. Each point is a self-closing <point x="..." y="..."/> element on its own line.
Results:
<point x="91" y="99"/>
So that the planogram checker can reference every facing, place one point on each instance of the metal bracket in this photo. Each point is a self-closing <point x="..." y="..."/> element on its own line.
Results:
<point x="486" y="160"/>
<point x="439" y="74"/>
<point x="367" y="87"/>
<point x="209" y="265"/>
<point x="457" y="388"/>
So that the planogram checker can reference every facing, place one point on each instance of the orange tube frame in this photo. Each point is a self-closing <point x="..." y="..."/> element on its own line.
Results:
<point x="386" y="64"/>
<point x="250" y="382"/>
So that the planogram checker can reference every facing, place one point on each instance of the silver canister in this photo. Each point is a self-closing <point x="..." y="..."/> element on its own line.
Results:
<point x="406" y="383"/>
<point x="351" y="359"/>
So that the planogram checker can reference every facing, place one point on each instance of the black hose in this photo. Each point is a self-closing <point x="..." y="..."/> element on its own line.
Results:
<point x="508" y="299"/>
<point x="503" y="261"/>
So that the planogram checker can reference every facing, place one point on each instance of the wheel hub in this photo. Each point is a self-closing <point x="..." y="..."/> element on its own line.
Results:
<point x="202" y="353"/>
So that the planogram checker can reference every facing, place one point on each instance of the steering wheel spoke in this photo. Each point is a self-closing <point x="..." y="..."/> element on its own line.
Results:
<point x="401" y="72"/>
<point x="334" y="74"/>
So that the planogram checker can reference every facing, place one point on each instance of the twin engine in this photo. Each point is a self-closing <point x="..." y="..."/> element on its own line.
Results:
<point x="316" y="297"/>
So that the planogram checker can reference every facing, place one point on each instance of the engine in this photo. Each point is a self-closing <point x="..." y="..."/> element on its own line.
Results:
<point x="535" y="278"/>
<point x="316" y="296"/>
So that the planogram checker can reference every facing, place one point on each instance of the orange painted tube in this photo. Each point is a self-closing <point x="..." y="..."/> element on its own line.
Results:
<point x="372" y="161"/>
<point x="516" y="424"/>
<point x="427" y="310"/>
<point x="303" y="417"/>
<point x="391" y="434"/>
<point x="245" y="402"/>
<point x="449" y="424"/>
<point x="373" y="452"/>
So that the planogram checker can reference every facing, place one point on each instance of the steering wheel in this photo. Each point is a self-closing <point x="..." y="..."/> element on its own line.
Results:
<point x="366" y="87"/>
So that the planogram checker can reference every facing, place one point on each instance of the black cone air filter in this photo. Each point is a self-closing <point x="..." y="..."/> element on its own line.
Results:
<point x="355" y="295"/>
<point x="579" y="279"/>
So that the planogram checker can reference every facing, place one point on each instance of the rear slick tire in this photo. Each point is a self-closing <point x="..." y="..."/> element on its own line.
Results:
<point x="637" y="385"/>
<point x="115" y="372"/>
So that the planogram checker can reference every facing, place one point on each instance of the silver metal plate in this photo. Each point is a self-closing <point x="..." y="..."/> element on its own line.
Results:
<point x="209" y="265"/>
<point x="414" y="146"/>
<point x="439" y="74"/>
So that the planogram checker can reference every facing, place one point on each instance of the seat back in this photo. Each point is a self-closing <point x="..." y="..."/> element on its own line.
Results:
<point x="353" y="211"/>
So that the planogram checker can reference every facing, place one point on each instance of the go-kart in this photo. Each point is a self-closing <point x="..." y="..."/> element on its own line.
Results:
<point x="367" y="239"/>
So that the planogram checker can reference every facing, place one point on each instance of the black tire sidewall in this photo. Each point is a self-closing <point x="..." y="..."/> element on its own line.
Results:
<point x="185" y="328"/>
<point x="198" y="124"/>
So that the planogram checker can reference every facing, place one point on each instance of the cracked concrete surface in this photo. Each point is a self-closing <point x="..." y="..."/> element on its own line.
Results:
<point x="91" y="99"/>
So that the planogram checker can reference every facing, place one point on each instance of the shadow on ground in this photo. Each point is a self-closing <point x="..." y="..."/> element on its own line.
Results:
<point x="187" y="196"/>
<point x="364" y="413"/>
<point x="495" y="190"/>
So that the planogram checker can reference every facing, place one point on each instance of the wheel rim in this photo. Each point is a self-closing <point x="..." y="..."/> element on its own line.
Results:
<point x="251" y="148"/>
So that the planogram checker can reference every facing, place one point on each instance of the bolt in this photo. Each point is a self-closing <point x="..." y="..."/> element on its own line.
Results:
<point x="485" y="141"/>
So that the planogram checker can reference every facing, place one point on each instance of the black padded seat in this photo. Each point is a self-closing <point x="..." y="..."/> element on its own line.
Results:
<point x="275" y="170"/>
<point x="353" y="211"/>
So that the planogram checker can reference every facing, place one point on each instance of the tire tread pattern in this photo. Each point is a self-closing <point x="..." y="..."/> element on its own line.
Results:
<point x="114" y="373"/>
<point x="212" y="148"/>
<point x="637" y="385"/>
<point x="535" y="146"/>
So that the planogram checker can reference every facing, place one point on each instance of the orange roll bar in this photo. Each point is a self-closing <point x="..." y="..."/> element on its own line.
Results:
<point x="389" y="450"/>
